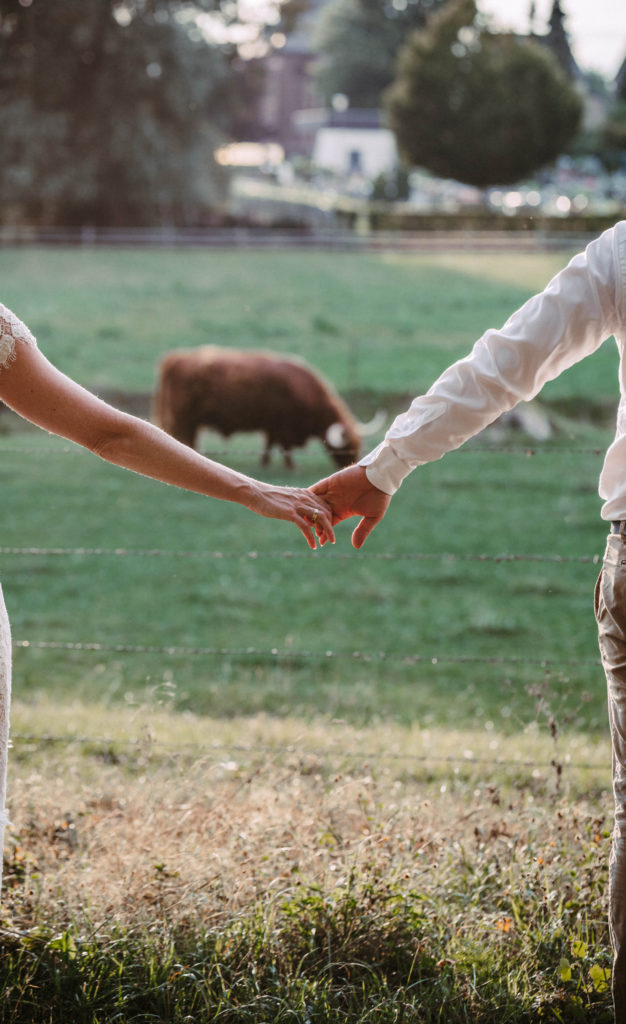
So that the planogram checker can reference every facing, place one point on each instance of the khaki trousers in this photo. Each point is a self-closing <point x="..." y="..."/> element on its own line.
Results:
<point x="610" y="607"/>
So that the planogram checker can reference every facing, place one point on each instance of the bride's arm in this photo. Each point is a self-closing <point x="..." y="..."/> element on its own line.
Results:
<point x="38" y="391"/>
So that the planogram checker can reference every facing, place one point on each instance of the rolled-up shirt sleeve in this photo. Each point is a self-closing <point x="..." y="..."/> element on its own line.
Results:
<point x="567" y="321"/>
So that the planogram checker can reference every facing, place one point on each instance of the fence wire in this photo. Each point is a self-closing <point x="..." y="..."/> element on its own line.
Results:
<point x="402" y="556"/>
<point x="287" y="654"/>
<point x="203" y="750"/>
<point x="526" y="451"/>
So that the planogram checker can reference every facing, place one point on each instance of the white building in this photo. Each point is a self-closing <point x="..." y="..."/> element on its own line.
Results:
<point x="350" y="142"/>
<point x="368" y="152"/>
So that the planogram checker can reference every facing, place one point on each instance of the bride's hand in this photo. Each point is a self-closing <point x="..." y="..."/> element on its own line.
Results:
<point x="296" y="505"/>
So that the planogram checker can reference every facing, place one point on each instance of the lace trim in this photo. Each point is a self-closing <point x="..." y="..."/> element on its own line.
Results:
<point x="12" y="330"/>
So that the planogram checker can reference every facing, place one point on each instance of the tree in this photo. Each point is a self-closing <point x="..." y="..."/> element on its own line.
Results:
<point x="483" y="108"/>
<point x="613" y="137"/>
<point x="109" y="112"/>
<point x="357" y="42"/>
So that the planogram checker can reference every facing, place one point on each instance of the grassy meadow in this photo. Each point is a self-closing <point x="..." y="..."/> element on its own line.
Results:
<point x="253" y="783"/>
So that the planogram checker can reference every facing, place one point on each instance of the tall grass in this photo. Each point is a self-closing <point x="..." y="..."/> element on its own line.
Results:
<point x="304" y="872"/>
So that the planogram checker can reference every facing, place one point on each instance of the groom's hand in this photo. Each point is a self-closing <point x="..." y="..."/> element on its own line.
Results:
<point x="350" y="493"/>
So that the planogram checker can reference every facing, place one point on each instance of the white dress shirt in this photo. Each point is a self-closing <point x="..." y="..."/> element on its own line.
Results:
<point x="582" y="306"/>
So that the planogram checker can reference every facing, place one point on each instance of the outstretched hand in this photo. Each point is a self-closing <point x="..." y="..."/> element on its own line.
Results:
<point x="350" y="493"/>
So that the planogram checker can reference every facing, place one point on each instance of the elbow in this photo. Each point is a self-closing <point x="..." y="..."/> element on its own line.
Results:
<point x="106" y="448"/>
<point x="111" y="443"/>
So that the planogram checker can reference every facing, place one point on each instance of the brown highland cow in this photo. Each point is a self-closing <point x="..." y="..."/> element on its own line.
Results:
<point x="231" y="390"/>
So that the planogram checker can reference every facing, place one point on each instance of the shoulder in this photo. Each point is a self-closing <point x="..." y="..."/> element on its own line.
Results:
<point x="12" y="331"/>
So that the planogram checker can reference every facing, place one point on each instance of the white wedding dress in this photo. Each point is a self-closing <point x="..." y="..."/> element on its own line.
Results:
<point x="12" y="333"/>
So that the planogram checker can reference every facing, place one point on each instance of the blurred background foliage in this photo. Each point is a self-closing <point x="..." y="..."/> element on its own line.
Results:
<point x="357" y="42"/>
<point x="131" y="94"/>
<point x="112" y="111"/>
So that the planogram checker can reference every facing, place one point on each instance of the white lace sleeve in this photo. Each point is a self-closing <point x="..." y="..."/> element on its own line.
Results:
<point x="12" y="330"/>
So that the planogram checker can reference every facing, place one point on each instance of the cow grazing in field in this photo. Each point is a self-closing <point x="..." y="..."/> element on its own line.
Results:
<point x="232" y="390"/>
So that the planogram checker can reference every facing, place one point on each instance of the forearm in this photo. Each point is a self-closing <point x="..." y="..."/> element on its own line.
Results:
<point x="42" y="394"/>
<point x="143" y="448"/>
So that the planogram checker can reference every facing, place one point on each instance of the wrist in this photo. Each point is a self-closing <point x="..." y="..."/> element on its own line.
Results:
<point x="384" y="470"/>
<point x="247" y="491"/>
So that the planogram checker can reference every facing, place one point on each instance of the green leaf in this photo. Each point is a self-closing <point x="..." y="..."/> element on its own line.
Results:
<point x="64" y="943"/>
<point x="565" y="971"/>
<point x="600" y="977"/>
<point x="579" y="949"/>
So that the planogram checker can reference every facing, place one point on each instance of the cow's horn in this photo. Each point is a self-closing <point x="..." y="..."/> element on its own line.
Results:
<point x="336" y="435"/>
<point x="377" y="421"/>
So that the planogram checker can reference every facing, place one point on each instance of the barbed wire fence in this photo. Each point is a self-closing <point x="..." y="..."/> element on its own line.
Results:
<point x="276" y="655"/>
<point x="527" y="451"/>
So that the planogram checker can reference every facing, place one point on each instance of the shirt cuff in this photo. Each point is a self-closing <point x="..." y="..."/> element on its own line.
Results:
<point x="384" y="469"/>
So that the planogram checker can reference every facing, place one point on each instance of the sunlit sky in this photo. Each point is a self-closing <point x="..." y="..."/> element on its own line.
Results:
<point x="596" y="28"/>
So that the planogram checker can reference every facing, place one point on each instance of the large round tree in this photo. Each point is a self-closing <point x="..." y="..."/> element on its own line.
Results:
<point x="484" y="108"/>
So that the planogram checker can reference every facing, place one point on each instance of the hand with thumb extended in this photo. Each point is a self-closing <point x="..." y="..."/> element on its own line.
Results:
<point x="350" y="493"/>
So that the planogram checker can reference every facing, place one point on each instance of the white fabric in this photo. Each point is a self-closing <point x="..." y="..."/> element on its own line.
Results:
<point x="582" y="306"/>
<point x="5" y="705"/>
<point x="12" y="331"/>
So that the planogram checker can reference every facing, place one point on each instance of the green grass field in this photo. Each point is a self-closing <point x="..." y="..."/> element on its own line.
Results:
<point x="416" y="633"/>
<point x="106" y="317"/>
<point x="387" y="322"/>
